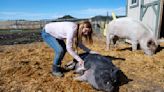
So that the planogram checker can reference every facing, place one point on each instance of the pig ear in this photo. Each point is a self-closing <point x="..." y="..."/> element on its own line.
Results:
<point x="150" y="43"/>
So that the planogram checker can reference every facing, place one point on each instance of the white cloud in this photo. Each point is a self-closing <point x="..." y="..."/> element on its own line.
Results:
<point x="85" y="13"/>
<point x="26" y="15"/>
<point x="90" y="12"/>
<point x="101" y="11"/>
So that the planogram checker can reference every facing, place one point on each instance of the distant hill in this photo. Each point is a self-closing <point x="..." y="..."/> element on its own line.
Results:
<point x="67" y="17"/>
<point x="104" y="18"/>
<point x="26" y="24"/>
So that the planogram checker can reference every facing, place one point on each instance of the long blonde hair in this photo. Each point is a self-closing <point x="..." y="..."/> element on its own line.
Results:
<point x="79" y="36"/>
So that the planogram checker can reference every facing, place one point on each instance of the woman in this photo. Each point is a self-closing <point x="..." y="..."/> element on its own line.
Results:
<point x="54" y="35"/>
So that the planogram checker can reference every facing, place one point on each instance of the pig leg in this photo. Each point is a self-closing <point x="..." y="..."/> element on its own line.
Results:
<point x="134" y="45"/>
<point x="115" y="38"/>
<point x="70" y="65"/>
<point x="83" y="77"/>
<point x="109" y="40"/>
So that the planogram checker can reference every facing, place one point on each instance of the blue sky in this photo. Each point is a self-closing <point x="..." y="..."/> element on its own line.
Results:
<point x="52" y="9"/>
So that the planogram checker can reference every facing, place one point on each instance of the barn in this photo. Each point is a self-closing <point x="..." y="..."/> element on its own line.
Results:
<point x="150" y="12"/>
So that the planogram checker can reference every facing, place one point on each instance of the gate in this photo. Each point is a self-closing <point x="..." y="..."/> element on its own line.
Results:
<point x="155" y="5"/>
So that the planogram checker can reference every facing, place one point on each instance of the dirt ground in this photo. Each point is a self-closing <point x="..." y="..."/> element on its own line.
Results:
<point x="27" y="68"/>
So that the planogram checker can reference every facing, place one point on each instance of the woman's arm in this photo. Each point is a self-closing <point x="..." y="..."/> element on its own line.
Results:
<point x="69" y="46"/>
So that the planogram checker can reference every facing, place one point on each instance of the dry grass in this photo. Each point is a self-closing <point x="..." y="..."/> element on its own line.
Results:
<point x="27" y="68"/>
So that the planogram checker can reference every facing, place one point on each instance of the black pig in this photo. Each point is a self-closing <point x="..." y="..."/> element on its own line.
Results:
<point x="99" y="71"/>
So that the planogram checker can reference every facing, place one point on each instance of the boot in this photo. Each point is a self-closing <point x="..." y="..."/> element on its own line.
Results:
<point x="56" y="71"/>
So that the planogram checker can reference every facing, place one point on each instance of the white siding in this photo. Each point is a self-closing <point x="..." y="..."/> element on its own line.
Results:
<point x="149" y="19"/>
<point x="133" y="12"/>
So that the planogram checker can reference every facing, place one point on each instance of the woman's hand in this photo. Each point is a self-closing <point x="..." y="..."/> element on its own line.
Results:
<point x="81" y="65"/>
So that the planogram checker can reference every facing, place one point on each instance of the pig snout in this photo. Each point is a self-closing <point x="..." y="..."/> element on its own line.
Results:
<point x="150" y="47"/>
<point x="149" y="52"/>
